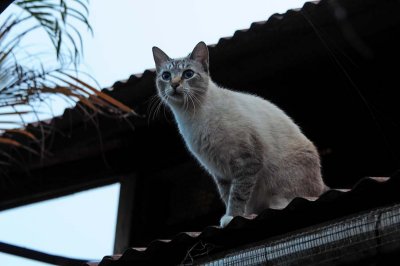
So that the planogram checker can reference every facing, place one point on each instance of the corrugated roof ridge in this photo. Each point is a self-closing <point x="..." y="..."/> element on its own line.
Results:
<point x="134" y="78"/>
<point x="242" y="222"/>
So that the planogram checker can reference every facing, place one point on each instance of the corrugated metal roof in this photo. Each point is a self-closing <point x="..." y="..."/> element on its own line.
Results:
<point x="300" y="60"/>
<point x="367" y="238"/>
<point x="187" y="248"/>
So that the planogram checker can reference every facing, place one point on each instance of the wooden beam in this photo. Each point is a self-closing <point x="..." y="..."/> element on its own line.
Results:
<point x="55" y="192"/>
<point x="39" y="256"/>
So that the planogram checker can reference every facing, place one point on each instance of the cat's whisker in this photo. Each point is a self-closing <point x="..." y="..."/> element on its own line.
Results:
<point x="153" y="104"/>
<point x="157" y="110"/>
<point x="160" y="104"/>
<point x="185" y="102"/>
<point x="166" y="100"/>
<point x="197" y="90"/>
<point x="188" y="100"/>
<point x="189" y="94"/>
<point x="196" y="99"/>
<point x="152" y="100"/>
<point x="197" y="93"/>
<point x="156" y="103"/>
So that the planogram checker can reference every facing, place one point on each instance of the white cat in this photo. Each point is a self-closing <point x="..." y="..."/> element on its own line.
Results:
<point x="256" y="154"/>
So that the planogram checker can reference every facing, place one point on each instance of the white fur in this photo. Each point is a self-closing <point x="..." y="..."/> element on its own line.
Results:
<point x="257" y="155"/>
<point x="239" y="111"/>
<point x="235" y="113"/>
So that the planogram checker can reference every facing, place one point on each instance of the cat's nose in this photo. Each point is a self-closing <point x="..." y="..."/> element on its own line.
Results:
<point x="174" y="85"/>
<point x="175" y="82"/>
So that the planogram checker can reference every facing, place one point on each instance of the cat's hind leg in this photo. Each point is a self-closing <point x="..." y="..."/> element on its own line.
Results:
<point x="278" y="202"/>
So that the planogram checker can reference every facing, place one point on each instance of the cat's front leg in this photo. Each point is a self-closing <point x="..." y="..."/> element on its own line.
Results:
<point x="224" y="188"/>
<point x="238" y="198"/>
<point x="245" y="169"/>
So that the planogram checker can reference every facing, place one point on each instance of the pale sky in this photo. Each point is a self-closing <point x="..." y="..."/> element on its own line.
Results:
<point x="83" y="225"/>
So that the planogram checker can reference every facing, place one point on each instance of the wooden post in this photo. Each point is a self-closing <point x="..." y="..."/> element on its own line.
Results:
<point x="125" y="213"/>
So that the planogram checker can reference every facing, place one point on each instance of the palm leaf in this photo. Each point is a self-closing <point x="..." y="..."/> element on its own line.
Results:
<point x="9" y="142"/>
<point x="21" y="132"/>
<point x="100" y="94"/>
<point x="58" y="18"/>
<point x="22" y="85"/>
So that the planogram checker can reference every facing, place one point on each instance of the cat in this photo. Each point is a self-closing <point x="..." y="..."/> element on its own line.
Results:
<point x="257" y="156"/>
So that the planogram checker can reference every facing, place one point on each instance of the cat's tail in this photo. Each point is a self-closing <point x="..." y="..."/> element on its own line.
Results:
<point x="377" y="179"/>
<point x="326" y="189"/>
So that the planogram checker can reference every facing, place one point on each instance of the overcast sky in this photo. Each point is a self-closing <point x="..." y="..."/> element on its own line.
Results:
<point x="83" y="225"/>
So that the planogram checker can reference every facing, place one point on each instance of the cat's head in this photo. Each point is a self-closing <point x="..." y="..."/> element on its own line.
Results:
<point x="184" y="81"/>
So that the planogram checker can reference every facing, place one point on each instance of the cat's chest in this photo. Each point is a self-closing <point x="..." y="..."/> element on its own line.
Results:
<point x="203" y="137"/>
<point x="210" y="140"/>
<point x="197" y="135"/>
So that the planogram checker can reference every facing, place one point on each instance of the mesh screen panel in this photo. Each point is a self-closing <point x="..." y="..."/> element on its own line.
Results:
<point x="357" y="238"/>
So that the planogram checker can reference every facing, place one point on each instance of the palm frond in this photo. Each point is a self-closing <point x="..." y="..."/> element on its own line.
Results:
<point x="23" y="83"/>
<point x="60" y="18"/>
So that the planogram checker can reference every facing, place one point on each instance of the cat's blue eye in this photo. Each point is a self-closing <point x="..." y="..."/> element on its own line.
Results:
<point x="187" y="74"/>
<point x="166" y="75"/>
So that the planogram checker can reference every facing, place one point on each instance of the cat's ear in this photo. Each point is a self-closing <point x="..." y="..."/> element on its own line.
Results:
<point x="200" y="54"/>
<point x="159" y="57"/>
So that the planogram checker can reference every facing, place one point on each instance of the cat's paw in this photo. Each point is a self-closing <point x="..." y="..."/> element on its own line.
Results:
<point x="225" y="220"/>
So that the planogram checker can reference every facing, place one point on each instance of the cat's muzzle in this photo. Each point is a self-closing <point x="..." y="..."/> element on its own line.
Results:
<point x="175" y="94"/>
